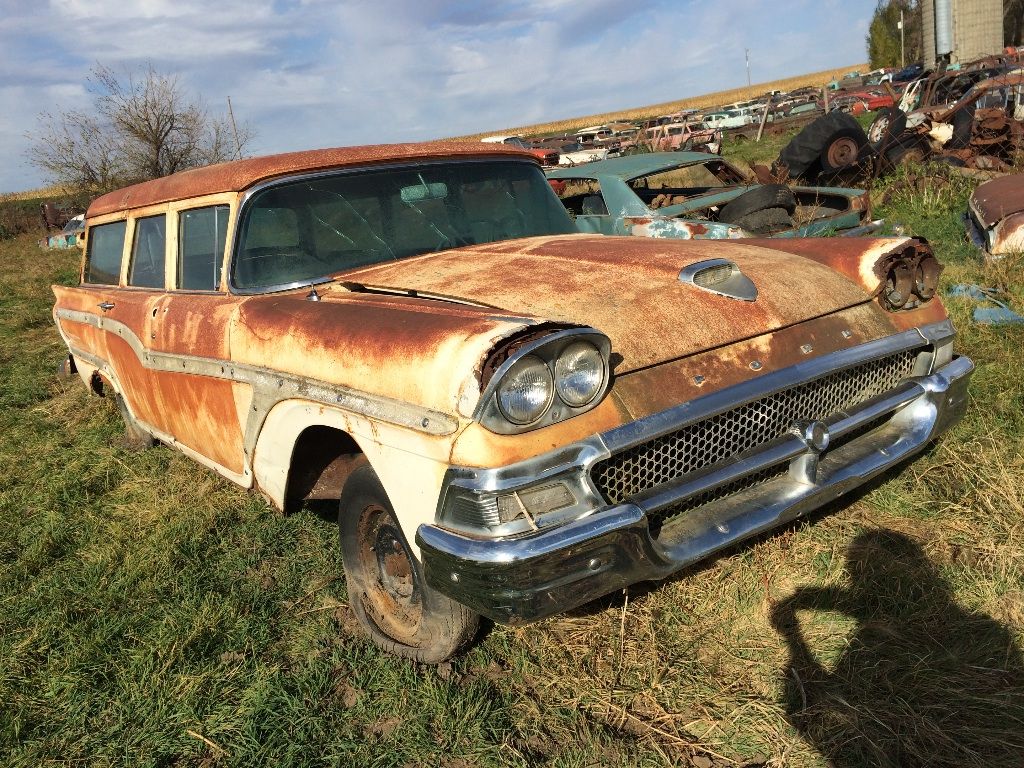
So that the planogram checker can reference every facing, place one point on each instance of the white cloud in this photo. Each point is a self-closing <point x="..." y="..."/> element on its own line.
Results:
<point x="311" y="73"/>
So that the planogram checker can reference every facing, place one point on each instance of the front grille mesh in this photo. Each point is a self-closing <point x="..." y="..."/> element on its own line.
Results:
<point x="732" y="432"/>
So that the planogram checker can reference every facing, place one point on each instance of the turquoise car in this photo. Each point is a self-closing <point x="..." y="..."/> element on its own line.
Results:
<point x="686" y="195"/>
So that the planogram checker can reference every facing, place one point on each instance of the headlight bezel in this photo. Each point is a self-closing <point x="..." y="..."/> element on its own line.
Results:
<point x="548" y="348"/>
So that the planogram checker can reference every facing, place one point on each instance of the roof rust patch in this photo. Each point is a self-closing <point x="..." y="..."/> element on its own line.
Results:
<point x="241" y="174"/>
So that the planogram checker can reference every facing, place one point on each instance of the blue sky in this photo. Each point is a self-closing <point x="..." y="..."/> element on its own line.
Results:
<point x="313" y="73"/>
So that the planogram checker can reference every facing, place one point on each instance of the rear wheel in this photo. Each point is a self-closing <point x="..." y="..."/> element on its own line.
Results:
<point x="386" y="588"/>
<point x="841" y="152"/>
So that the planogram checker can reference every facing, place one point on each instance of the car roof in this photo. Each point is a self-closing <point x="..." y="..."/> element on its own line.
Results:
<point x="237" y="175"/>
<point x="633" y="166"/>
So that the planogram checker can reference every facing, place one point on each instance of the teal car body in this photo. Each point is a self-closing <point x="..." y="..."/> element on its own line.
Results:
<point x="680" y="194"/>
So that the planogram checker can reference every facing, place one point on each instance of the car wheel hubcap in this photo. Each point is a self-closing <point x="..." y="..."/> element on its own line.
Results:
<point x="391" y="596"/>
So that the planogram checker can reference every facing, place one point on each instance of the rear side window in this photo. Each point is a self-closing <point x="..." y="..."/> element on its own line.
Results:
<point x="103" y="258"/>
<point x="201" y="236"/>
<point x="147" y="265"/>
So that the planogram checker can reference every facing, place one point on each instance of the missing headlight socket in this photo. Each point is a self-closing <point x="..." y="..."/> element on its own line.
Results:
<point x="909" y="277"/>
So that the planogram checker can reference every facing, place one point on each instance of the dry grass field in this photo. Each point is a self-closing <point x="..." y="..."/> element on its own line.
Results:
<point x="693" y="102"/>
<point x="152" y="614"/>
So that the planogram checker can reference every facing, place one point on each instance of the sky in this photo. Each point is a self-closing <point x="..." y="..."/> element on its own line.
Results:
<point x="318" y="73"/>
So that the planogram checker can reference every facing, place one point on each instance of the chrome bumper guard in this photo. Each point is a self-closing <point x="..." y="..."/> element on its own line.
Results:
<point x="522" y="579"/>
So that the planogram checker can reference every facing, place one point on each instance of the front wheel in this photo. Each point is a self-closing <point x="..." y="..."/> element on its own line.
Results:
<point x="386" y="588"/>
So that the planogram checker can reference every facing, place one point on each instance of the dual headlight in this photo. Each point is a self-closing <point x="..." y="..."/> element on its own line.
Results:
<point x="549" y="379"/>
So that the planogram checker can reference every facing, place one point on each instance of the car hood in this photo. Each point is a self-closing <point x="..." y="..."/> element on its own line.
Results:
<point x="629" y="288"/>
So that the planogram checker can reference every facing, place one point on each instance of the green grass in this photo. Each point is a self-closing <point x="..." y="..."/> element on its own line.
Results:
<point x="153" y="614"/>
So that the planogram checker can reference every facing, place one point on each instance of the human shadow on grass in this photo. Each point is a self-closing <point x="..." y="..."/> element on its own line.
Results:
<point x="920" y="682"/>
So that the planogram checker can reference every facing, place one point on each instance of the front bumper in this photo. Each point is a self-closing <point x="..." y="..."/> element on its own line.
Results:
<point x="522" y="579"/>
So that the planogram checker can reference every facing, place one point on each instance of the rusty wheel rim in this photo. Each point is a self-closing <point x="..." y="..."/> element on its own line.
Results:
<point x="391" y="596"/>
<point x="877" y="130"/>
<point x="842" y="152"/>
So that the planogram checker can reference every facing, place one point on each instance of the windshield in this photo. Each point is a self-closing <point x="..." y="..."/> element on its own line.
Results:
<point x="687" y="180"/>
<point x="302" y="231"/>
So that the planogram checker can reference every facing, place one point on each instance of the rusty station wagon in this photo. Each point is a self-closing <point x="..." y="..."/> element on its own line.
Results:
<point x="516" y="418"/>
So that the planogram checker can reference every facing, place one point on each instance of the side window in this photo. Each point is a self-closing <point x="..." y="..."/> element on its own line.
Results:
<point x="582" y="197"/>
<point x="148" y="253"/>
<point x="992" y="99"/>
<point x="201" y="236"/>
<point x="103" y="257"/>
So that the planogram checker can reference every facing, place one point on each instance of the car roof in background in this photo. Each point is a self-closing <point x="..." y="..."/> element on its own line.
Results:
<point x="633" y="166"/>
<point x="238" y="175"/>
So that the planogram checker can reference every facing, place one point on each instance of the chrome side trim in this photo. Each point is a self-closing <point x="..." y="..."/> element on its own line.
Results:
<point x="270" y="387"/>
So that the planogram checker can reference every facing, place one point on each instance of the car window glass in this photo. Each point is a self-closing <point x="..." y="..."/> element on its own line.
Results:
<point x="146" y="269"/>
<point x="581" y="197"/>
<point x="305" y="230"/>
<point x="699" y="176"/>
<point x="992" y="99"/>
<point x="103" y="257"/>
<point x="201" y="236"/>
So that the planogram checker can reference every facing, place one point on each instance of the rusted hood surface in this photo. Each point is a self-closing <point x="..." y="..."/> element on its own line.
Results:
<point x="996" y="199"/>
<point x="629" y="288"/>
<point x="409" y="350"/>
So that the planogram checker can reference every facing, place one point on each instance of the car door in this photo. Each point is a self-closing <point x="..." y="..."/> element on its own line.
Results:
<point x="201" y="396"/>
<point x="85" y="314"/>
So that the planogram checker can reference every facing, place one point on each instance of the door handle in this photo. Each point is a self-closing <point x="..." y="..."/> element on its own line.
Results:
<point x="105" y="305"/>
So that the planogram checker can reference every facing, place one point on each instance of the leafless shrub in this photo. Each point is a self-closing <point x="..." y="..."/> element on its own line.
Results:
<point x="139" y="127"/>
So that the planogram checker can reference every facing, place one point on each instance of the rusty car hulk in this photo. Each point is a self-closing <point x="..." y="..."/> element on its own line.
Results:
<point x="516" y="418"/>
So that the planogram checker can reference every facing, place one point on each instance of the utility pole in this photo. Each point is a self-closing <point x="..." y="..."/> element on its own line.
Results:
<point x="903" y="60"/>
<point x="234" y="130"/>
<point x="746" y="53"/>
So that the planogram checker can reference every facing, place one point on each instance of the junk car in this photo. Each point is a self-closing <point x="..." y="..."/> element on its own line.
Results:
<point x="695" y="195"/>
<point x="68" y="236"/>
<point x="513" y="418"/>
<point x="995" y="215"/>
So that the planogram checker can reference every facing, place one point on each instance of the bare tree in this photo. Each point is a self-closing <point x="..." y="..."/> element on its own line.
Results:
<point x="139" y="127"/>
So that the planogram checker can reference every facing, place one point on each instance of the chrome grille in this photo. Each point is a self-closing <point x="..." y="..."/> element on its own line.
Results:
<point x="747" y="426"/>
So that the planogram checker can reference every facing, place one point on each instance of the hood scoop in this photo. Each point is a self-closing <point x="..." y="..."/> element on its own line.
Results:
<point x="720" y="276"/>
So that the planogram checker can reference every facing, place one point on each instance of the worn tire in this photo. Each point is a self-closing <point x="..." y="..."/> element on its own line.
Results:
<point x="887" y="127"/>
<point x="386" y="590"/>
<point x="911" y="149"/>
<point x="963" y="127"/>
<point x="758" y="199"/>
<point x="766" y="222"/>
<point x="802" y="157"/>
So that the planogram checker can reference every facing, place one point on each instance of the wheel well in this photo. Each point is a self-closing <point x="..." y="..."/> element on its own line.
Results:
<point x="322" y="459"/>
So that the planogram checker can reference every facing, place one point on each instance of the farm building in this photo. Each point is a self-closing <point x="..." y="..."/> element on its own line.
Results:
<point x="964" y="30"/>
